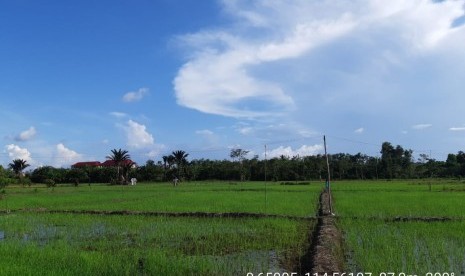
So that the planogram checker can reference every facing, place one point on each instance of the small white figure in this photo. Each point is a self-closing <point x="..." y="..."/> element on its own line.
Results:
<point x="175" y="181"/>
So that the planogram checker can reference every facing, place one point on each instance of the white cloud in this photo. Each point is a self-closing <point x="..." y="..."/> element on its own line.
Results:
<point x="26" y="135"/>
<point x="118" y="114"/>
<point x="237" y="71"/>
<point x="245" y="130"/>
<point x="209" y="138"/>
<point x="457" y="129"/>
<point x="425" y="23"/>
<point x="289" y="152"/>
<point x="359" y="130"/>
<point x="134" y="96"/>
<point x="137" y="135"/>
<point x="305" y="36"/>
<point x="156" y="151"/>
<point x="421" y="126"/>
<point x="219" y="84"/>
<point x="204" y="132"/>
<point x="16" y="152"/>
<point x="218" y="81"/>
<point x="65" y="156"/>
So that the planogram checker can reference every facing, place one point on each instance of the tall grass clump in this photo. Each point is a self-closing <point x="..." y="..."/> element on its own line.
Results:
<point x="410" y="247"/>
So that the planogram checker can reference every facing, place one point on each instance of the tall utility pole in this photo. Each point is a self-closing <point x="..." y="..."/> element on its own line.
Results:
<point x="328" y="180"/>
<point x="266" y="196"/>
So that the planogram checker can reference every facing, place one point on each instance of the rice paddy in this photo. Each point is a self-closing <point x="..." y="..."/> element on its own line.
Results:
<point x="221" y="228"/>
<point x="37" y="236"/>
<point x="403" y="227"/>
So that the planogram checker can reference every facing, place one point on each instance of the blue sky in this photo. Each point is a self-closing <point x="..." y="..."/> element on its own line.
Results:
<point x="79" y="78"/>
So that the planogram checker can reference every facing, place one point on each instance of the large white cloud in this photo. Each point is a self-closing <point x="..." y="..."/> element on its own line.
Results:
<point x="283" y="56"/>
<point x="16" y="152"/>
<point x="137" y="135"/>
<point x="64" y="156"/>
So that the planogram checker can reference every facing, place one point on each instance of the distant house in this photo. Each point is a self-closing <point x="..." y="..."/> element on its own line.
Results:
<point x="95" y="164"/>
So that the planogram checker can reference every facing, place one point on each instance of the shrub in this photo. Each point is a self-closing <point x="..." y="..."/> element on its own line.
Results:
<point x="50" y="182"/>
<point x="295" y="183"/>
<point x="5" y="181"/>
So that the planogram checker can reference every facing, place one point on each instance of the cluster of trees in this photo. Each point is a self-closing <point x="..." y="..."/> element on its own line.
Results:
<point x="394" y="162"/>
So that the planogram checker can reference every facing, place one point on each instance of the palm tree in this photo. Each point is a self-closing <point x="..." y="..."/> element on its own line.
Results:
<point x="18" y="165"/>
<point x="127" y="166"/>
<point x="119" y="156"/>
<point x="180" y="158"/>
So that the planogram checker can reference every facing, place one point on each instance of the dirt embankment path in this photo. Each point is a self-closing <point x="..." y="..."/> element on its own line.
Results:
<point x="327" y="252"/>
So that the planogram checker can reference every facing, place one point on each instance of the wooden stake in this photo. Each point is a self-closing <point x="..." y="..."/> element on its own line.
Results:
<point x="266" y="196"/>
<point x="328" y="178"/>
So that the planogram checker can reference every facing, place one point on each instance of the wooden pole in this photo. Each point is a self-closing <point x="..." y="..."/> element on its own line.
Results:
<point x="266" y="196"/>
<point x="328" y="177"/>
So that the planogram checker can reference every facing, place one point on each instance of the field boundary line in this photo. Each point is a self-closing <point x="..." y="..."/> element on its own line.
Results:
<point x="167" y="214"/>
<point x="404" y="219"/>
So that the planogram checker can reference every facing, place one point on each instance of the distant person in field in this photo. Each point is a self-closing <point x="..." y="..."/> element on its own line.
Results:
<point x="175" y="181"/>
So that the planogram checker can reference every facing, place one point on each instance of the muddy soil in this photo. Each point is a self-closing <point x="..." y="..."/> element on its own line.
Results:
<point x="327" y="253"/>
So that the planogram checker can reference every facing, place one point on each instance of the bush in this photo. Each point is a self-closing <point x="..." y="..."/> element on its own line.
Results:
<point x="42" y="174"/>
<point x="76" y="176"/>
<point x="295" y="183"/>
<point x="5" y="181"/>
<point x="49" y="183"/>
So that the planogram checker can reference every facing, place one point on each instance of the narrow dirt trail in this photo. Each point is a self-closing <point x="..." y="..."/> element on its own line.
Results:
<point x="327" y="253"/>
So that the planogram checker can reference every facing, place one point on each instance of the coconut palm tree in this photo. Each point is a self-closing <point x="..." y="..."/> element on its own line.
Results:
<point x="119" y="156"/>
<point x="127" y="166"/>
<point x="17" y="166"/>
<point x="180" y="159"/>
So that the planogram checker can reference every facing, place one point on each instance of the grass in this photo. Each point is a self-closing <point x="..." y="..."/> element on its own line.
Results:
<point x="410" y="247"/>
<point x="128" y="245"/>
<point x="42" y="243"/>
<point x="398" y="198"/>
<point x="377" y="243"/>
<point x="213" y="197"/>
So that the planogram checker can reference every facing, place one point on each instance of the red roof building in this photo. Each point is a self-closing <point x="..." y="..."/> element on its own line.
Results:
<point x="111" y="163"/>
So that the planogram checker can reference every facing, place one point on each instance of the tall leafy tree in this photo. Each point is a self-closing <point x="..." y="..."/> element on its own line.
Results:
<point x="240" y="155"/>
<point x="17" y="166"/>
<point x="119" y="157"/>
<point x="395" y="162"/>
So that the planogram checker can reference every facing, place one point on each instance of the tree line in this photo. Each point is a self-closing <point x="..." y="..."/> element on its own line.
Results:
<point x="394" y="162"/>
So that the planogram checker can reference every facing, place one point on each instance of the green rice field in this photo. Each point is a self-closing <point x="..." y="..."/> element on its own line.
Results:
<point x="39" y="237"/>
<point x="408" y="227"/>
<point x="411" y="227"/>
